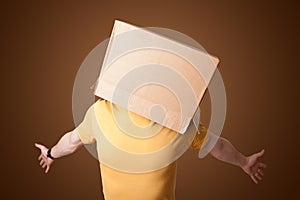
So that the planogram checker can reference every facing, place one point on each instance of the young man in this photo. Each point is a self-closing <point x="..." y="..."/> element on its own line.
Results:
<point x="150" y="185"/>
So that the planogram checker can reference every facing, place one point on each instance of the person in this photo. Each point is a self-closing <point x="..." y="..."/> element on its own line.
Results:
<point x="156" y="184"/>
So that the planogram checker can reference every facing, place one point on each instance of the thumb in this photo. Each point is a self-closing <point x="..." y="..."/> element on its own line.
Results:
<point x="261" y="153"/>
<point x="38" y="146"/>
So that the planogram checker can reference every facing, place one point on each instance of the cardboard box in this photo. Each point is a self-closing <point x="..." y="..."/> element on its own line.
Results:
<point x="154" y="76"/>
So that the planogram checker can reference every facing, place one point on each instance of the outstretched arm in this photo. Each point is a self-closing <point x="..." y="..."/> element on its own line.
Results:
<point x="225" y="151"/>
<point x="65" y="146"/>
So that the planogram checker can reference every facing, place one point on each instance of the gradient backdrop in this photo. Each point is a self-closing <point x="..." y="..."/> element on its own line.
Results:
<point x="44" y="42"/>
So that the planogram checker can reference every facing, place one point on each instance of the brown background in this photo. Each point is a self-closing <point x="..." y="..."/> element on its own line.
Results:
<point x="43" y="45"/>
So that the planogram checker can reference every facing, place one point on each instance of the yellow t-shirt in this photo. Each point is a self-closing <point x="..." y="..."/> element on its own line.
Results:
<point x="118" y="184"/>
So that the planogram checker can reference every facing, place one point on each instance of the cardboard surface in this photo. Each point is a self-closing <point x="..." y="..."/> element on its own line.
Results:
<point x="154" y="76"/>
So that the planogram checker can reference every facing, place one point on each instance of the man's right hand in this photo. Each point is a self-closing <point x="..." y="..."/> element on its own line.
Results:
<point x="44" y="160"/>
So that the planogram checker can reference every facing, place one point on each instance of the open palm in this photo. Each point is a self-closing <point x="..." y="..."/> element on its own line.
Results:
<point x="254" y="168"/>
<point x="44" y="160"/>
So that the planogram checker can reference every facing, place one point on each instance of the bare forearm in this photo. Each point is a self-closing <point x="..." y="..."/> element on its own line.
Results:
<point x="226" y="152"/>
<point x="66" y="145"/>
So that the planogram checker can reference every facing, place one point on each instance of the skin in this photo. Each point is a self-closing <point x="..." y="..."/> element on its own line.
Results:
<point x="223" y="150"/>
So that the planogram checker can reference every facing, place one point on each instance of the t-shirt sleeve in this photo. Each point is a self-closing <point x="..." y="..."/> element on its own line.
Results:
<point x="85" y="129"/>
<point x="201" y="138"/>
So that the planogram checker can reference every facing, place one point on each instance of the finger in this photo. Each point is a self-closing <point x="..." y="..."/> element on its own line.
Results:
<point x="262" y="165"/>
<point x="42" y="157"/>
<point x="261" y="153"/>
<point x="42" y="161"/>
<point x="258" y="176"/>
<point x="254" y="179"/>
<point x="44" y="165"/>
<point x="260" y="171"/>
<point x="47" y="169"/>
